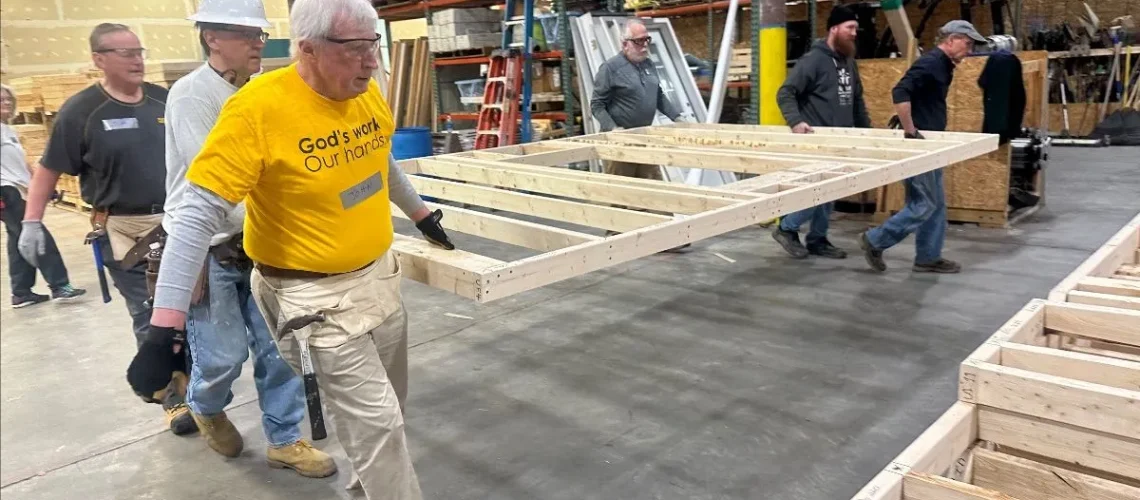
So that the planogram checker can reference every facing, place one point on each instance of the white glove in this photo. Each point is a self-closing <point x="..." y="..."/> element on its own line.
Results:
<point x="32" y="242"/>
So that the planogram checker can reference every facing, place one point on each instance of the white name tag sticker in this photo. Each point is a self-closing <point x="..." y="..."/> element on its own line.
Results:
<point x="120" y="124"/>
<point x="366" y="189"/>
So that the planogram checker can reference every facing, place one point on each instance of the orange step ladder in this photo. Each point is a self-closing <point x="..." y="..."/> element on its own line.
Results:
<point x="498" y="116"/>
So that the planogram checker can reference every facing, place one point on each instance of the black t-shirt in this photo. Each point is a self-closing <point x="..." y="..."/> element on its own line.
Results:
<point x="116" y="149"/>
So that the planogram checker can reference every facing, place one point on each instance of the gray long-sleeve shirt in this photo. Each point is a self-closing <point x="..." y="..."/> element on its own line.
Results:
<point x="824" y="90"/>
<point x="200" y="216"/>
<point x="628" y="94"/>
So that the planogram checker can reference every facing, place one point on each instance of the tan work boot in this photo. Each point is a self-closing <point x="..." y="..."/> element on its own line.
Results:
<point x="220" y="434"/>
<point x="303" y="458"/>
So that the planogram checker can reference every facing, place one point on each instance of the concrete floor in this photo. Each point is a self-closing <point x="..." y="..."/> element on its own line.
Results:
<point x="676" y="376"/>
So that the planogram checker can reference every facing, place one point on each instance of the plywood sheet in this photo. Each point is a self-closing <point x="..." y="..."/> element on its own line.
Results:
<point x="38" y="46"/>
<point x="171" y="42"/>
<point x="123" y="9"/>
<point x="28" y="10"/>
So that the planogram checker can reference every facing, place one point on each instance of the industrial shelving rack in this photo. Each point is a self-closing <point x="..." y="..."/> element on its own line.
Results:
<point x="422" y="8"/>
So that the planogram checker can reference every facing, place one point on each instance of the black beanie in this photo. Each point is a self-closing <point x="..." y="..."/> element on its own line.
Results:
<point x="839" y="15"/>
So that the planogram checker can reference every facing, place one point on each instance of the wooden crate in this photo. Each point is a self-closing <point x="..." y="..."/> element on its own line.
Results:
<point x="1110" y="277"/>
<point x="808" y="170"/>
<point x="1035" y="418"/>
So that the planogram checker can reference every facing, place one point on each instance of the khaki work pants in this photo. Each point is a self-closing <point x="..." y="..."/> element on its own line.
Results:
<point x="360" y="356"/>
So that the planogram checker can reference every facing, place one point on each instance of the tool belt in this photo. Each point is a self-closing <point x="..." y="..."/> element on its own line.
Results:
<point x="232" y="252"/>
<point x="280" y="273"/>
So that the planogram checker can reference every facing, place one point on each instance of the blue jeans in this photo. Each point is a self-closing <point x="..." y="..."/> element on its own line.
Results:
<point x="924" y="214"/>
<point x="131" y="284"/>
<point x="819" y="216"/>
<point x="222" y="330"/>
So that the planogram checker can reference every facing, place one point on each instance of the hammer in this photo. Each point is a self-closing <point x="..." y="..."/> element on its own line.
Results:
<point x="312" y="392"/>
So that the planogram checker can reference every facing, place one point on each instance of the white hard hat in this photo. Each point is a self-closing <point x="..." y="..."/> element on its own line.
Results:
<point x="236" y="12"/>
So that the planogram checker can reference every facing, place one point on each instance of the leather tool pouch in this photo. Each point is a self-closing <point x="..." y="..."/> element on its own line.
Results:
<point x="154" y="262"/>
<point x="99" y="219"/>
<point x="230" y="252"/>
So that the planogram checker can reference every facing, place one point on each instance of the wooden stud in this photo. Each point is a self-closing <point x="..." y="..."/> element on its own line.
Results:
<point x="653" y="199"/>
<point x="1110" y="286"/>
<point x="1119" y="249"/>
<point x="1104" y="299"/>
<point x="784" y="143"/>
<point x="548" y="208"/>
<point x="1093" y="406"/>
<point x="813" y="138"/>
<point x="1029" y="480"/>
<point x="455" y="271"/>
<point x="1075" y="365"/>
<point x="920" y="486"/>
<point x="1061" y="442"/>
<point x="1094" y="322"/>
<point x="507" y="230"/>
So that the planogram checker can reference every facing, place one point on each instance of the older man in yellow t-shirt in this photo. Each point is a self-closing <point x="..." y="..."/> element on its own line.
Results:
<point x="308" y="150"/>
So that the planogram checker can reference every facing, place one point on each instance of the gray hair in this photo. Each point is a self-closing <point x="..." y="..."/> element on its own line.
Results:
<point x="627" y="33"/>
<point x="315" y="20"/>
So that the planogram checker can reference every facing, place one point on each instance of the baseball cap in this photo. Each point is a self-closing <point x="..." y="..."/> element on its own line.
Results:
<point x="962" y="28"/>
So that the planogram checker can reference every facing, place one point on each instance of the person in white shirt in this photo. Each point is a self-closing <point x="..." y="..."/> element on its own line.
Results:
<point x="15" y="175"/>
<point x="225" y="326"/>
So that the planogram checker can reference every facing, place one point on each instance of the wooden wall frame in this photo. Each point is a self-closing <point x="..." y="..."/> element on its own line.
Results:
<point x="1110" y="276"/>
<point x="794" y="172"/>
<point x="1033" y="422"/>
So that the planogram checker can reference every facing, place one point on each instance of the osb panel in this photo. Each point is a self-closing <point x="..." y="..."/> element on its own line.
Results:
<point x="171" y="42"/>
<point x="879" y="77"/>
<point x="123" y="9"/>
<point x="39" y="46"/>
<point x="978" y="184"/>
<point x="276" y="9"/>
<point x="28" y="10"/>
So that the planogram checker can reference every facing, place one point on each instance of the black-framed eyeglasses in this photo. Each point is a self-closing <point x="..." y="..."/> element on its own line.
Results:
<point x="641" y="41"/>
<point x="358" y="46"/>
<point x="127" y="53"/>
<point x="248" y="35"/>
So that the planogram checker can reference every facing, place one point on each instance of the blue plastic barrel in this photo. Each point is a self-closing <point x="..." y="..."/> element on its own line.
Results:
<point x="411" y="142"/>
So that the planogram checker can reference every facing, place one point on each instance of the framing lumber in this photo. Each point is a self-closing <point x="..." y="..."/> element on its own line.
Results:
<point x="615" y="219"/>
<point x="1110" y="286"/>
<point x="505" y="229"/>
<point x="1092" y="406"/>
<point x="455" y="271"/>
<point x="1029" y="480"/>
<point x="1094" y="322"/>
<point x="1102" y="370"/>
<point x="921" y="486"/>
<point x="527" y="180"/>
<point x="1122" y="248"/>
<point x="1104" y="299"/>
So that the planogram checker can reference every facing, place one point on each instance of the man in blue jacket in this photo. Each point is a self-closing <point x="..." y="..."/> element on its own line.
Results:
<point x="822" y="90"/>
<point x="920" y="102"/>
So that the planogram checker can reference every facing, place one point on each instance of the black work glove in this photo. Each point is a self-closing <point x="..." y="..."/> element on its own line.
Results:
<point x="433" y="231"/>
<point x="154" y="364"/>
<point x="915" y="135"/>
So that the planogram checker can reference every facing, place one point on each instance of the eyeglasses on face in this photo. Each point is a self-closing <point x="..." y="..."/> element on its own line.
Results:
<point x="126" y="53"/>
<point x="247" y="35"/>
<point x="359" y="47"/>
<point x="641" y="41"/>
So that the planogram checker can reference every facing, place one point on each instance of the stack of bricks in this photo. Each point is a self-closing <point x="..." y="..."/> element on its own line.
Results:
<point x="453" y="30"/>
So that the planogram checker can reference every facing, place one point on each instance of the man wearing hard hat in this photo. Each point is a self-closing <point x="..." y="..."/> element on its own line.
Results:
<point x="224" y="326"/>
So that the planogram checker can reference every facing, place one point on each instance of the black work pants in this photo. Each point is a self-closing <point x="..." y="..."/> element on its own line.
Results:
<point x="22" y="273"/>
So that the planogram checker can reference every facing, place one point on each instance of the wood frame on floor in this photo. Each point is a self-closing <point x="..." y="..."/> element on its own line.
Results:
<point x="1033" y="422"/>
<point x="793" y="172"/>
<point x="1110" y="276"/>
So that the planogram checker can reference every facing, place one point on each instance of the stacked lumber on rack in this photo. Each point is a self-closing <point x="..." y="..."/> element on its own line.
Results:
<point x="47" y="93"/>
<point x="454" y="30"/>
<point x="165" y="73"/>
<point x="33" y="138"/>
<point x="579" y="205"/>
<point x="409" y="87"/>
<point x="1048" y="407"/>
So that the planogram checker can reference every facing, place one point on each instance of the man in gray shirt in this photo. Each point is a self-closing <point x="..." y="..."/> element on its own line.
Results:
<point x="627" y="94"/>
<point x="225" y="325"/>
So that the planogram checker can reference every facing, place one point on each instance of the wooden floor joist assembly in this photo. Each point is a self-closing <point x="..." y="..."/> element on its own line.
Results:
<point x="1048" y="407"/>
<point x="792" y="172"/>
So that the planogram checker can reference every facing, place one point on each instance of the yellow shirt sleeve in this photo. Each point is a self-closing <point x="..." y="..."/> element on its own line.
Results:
<point x="232" y="159"/>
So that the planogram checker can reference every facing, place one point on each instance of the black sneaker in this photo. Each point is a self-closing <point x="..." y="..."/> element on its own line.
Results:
<point x="873" y="255"/>
<point x="824" y="248"/>
<point x="29" y="299"/>
<point x="67" y="292"/>
<point x="790" y="240"/>
<point x="942" y="266"/>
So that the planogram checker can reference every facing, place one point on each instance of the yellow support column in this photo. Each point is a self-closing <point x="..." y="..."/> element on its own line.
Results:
<point x="773" y="42"/>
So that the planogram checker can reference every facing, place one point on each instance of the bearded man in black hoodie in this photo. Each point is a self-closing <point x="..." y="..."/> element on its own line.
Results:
<point x="822" y="90"/>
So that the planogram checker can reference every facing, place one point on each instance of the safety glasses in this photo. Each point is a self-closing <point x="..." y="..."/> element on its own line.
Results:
<point x="643" y="41"/>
